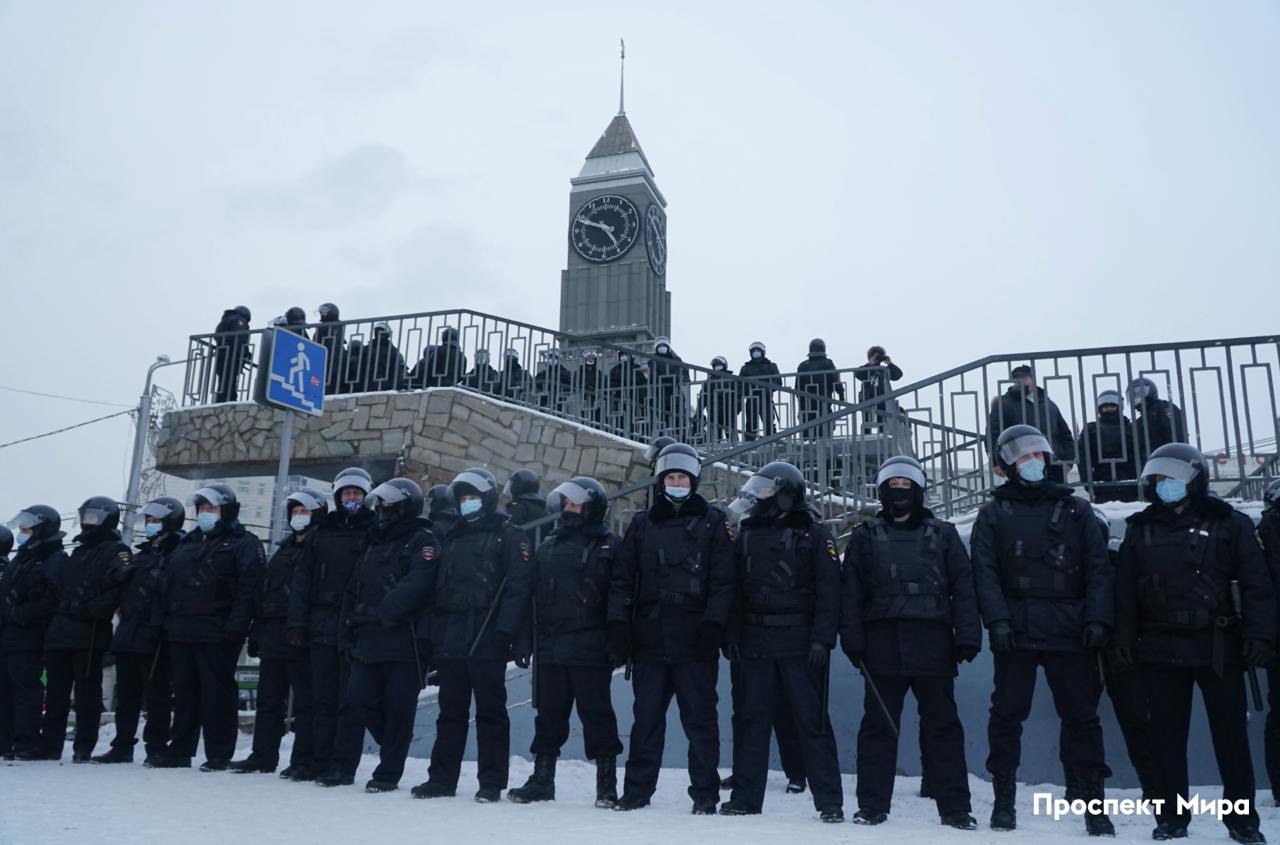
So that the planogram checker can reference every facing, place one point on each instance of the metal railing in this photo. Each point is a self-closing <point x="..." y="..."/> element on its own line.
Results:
<point x="1223" y="389"/>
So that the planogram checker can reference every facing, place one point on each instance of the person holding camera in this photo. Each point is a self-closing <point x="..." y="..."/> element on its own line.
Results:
<point x="875" y="378"/>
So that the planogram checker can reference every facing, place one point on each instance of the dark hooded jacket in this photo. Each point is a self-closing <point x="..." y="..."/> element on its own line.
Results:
<point x="385" y="365"/>
<point x="442" y="365"/>
<point x="571" y="575"/>
<point x="322" y="574"/>
<point x="88" y="585"/>
<point x="138" y="631"/>
<point x="384" y="606"/>
<point x="209" y="582"/>
<point x="1107" y="454"/>
<point x="329" y="334"/>
<point x="1158" y="422"/>
<point x="1040" y="564"/>
<point x="28" y="595"/>
<point x="1019" y="406"/>
<point x="272" y="599"/>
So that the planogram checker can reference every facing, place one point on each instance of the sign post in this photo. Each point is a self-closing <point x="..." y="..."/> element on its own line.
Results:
<point x="291" y="377"/>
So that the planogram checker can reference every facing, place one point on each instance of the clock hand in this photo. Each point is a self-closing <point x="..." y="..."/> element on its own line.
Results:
<point x="604" y="227"/>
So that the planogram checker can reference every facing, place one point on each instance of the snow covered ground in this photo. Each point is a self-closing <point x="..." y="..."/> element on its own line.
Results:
<point x="122" y="805"/>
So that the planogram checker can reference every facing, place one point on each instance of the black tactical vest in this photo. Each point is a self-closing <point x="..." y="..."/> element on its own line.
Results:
<point x="777" y="576"/>
<point x="382" y="568"/>
<point x="1179" y="585"/>
<point x="205" y="584"/>
<point x="471" y="572"/>
<point x="1040" y="549"/>
<point x="907" y="576"/>
<point x="673" y="565"/>
<point x="277" y="579"/>
<point x="573" y="582"/>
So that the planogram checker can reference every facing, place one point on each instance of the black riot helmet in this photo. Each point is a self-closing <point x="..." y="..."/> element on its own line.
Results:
<point x="440" y="502"/>
<point x="901" y="466"/>
<point x="476" y="481"/>
<point x="168" y="510"/>
<point x="1016" y="441"/>
<point x="1142" y="390"/>
<point x="523" y="484"/>
<point x="295" y="316"/>
<point x="583" y="491"/>
<point x="656" y="447"/>
<point x="220" y="496"/>
<point x="328" y="312"/>
<point x="678" y="457"/>
<point x="99" y="513"/>
<point x="777" y="487"/>
<point x="309" y="499"/>
<point x="1180" y="461"/>
<point x="394" y="500"/>
<point x="243" y="311"/>
<point x="817" y="348"/>
<point x="6" y="542"/>
<point x="41" y="520"/>
<point x="1271" y="496"/>
<point x="449" y="336"/>
<point x="355" y="477"/>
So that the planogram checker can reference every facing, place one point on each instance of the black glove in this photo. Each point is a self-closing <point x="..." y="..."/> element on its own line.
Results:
<point x="1122" y="658"/>
<point x="1001" y="636"/>
<point x="709" y="640"/>
<point x="855" y="657"/>
<point x="818" y="655"/>
<point x="965" y="653"/>
<point x="1258" y="652"/>
<point x="503" y="641"/>
<point x="522" y="661"/>
<point x="253" y="648"/>
<point x="732" y="652"/>
<point x="1096" y="635"/>
<point x="619" y="647"/>
<point x="296" y="637"/>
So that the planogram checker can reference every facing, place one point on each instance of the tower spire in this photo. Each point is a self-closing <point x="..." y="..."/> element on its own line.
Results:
<point x="622" y="77"/>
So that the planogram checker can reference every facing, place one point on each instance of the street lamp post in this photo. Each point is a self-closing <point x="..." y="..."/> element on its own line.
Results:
<point x="132" y="505"/>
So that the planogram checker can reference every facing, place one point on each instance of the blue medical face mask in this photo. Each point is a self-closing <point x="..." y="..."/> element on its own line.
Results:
<point x="206" y="521"/>
<point x="300" y="522"/>
<point x="1032" y="471"/>
<point x="153" y="529"/>
<point x="756" y="354"/>
<point x="469" y="507"/>
<point x="22" y="539"/>
<point x="353" y="505"/>
<point x="1171" y="490"/>
<point x="677" y="493"/>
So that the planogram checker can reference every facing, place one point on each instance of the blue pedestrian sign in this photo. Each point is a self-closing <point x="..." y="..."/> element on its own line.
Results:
<point x="293" y="375"/>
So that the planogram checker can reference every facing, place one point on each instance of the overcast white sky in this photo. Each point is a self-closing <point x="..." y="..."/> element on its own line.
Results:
<point x="948" y="179"/>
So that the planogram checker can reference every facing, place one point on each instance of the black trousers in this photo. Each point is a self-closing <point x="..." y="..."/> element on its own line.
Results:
<point x="384" y="698"/>
<point x="763" y="682"/>
<point x="1271" y="732"/>
<point x="1128" y="693"/>
<point x="1075" y="684"/>
<point x="136" y="687"/>
<point x="330" y="672"/>
<point x="1169" y="690"/>
<point x="693" y="685"/>
<point x="784" y="727"/>
<point x="68" y="670"/>
<point x="559" y="689"/>
<point x="459" y="680"/>
<point x="757" y="413"/>
<point x="941" y="743"/>
<point x="276" y="678"/>
<point x="205" y="698"/>
<point x="21" y="696"/>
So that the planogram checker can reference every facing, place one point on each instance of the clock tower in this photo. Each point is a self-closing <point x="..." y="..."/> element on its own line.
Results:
<point x="614" y="287"/>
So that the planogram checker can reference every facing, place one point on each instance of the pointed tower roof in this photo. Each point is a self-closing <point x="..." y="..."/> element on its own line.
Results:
<point x="617" y="155"/>
<point x="618" y="138"/>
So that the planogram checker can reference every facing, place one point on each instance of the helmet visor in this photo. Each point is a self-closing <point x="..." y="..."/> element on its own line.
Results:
<point x="385" y="493"/>
<point x="678" y="462"/>
<point x="900" y="469"/>
<point x="210" y="495"/>
<point x="94" y="515"/>
<point x="567" y="492"/>
<point x="1025" y="445"/>
<point x="352" y="480"/>
<point x="155" y="510"/>
<point x="474" y="480"/>
<point x="26" y="520"/>
<point x="1171" y="467"/>
<point x="307" y="499"/>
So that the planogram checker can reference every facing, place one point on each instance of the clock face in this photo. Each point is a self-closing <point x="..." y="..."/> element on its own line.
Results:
<point x="604" y="228"/>
<point x="655" y="238"/>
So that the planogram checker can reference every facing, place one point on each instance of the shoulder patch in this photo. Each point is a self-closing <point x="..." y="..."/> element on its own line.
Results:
<point x="524" y="551"/>
<point x="125" y="558"/>
<point x="831" y="550"/>
<point x="428" y="552"/>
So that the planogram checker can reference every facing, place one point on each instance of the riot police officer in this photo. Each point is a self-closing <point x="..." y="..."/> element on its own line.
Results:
<point x="1046" y="592"/>
<point x="381" y="616"/>
<point x="88" y="586"/>
<point x="320" y="579"/>
<point x="1196" y="606"/>
<point x="207" y="599"/>
<point x="909" y="617"/>
<point x="284" y="670"/>
<point x="142" y="658"/>
<point x="523" y="501"/>
<point x="477" y="619"/>
<point x="669" y="604"/>
<point x="1269" y="534"/>
<point x="571" y="573"/>
<point x="27" y="599"/>
<point x="442" y="509"/>
<point x="787" y="575"/>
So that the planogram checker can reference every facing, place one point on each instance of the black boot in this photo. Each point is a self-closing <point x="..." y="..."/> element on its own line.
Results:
<point x="250" y="765"/>
<point x="795" y="786"/>
<point x="1074" y="785"/>
<point x="606" y="782"/>
<point x="1247" y="835"/>
<point x="870" y="817"/>
<point x="1089" y="789"/>
<point x="541" y="785"/>
<point x="1169" y="830"/>
<point x="727" y="782"/>
<point x="1003" y="815"/>
<point x="115" y="755"/>
<point x="960" y="821"/>
<point x="335" y="777"/>
<point x="298" y="774"/>
<point x="433" y="789"/>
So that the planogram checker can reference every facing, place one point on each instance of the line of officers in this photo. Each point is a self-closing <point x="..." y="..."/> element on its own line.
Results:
<point x="368" y="601"/>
